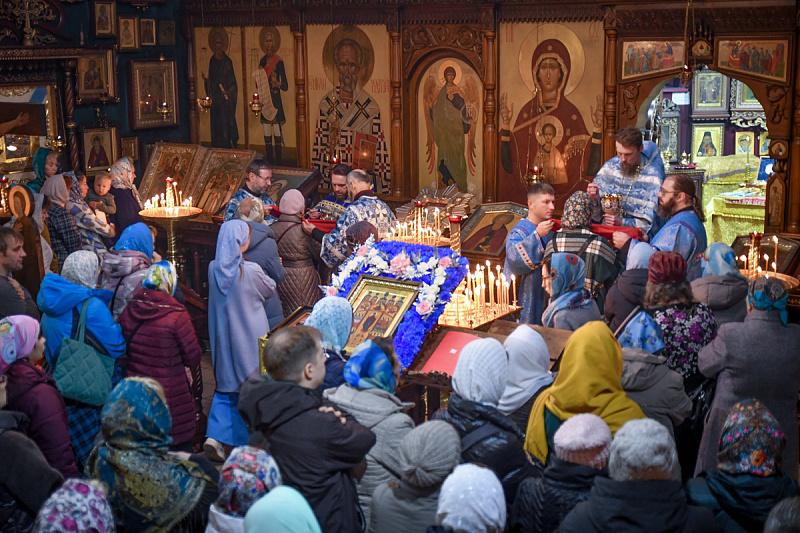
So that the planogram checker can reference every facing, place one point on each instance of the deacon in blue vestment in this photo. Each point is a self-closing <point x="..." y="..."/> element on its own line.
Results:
<point x="684" y="231"/>
<point x="335" y="203"/>
<point x="636" y="174"/>
<point x="525" y="250"/>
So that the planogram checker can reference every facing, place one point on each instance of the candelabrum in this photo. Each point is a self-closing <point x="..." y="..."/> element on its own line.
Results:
<point x="483" y="296"/>
<point x="170" y="207"/>
<point x="751" y="262"/>
<point x="255" y="105"/>
<point x="204" y="104"/>
<point x="164" y="109"/>
<point x="532" y="177"/>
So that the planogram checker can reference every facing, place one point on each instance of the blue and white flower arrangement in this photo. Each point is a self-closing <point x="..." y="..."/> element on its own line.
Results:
<point x="440" y="271"/>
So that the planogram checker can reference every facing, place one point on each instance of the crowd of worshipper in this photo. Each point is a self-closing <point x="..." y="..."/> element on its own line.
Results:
<point x="672" y="407"/>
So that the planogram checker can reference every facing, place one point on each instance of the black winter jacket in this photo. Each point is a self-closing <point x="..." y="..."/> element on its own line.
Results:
<point x="502" y="451"/>
<point x="624" y="296"/>
<point x="542" y="503"/>
<point x="636" y="506"/>
<point x="314" y="450"/>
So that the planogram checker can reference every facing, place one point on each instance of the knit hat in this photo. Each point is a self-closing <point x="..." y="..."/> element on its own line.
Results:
<point x="667" y="267"/>
<point x="643" y="450"/>
<point x="584" y="439"/>
<point x="577" y="210"/>
<point x="481" y="371"/>
<point x="292" y="202"/>
<point x="752" y="441"/>
<point x="428" y="453"/>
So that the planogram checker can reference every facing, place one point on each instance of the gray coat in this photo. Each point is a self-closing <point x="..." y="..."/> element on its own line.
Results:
<point x="725" y="295"/>
<point x="572" y="319"/>
<point x="650" y="383"/>
<point x="754" y="359"/>
<point x="382" y="413"/>
<point x="264" y="251"/>
<point x="396" y="509"/>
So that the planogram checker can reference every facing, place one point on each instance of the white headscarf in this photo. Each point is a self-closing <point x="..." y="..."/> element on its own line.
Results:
<point x="81" y="268"/>
<point x="472" y="501"/>
<point x="528" y="363"/>
<point x="481" y="370"/>
<point x="56" y="189"/>
<point x="121" y="177"/>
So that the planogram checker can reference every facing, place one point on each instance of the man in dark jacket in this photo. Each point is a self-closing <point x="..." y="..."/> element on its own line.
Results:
<point x="14" y="298"/>
<point x="628" y="291"/>
<point x="315" y="446"/>
<point x="643" y="492"/>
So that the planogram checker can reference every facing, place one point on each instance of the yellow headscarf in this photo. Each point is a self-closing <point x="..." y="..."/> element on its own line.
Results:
<point x="588" y="382"/>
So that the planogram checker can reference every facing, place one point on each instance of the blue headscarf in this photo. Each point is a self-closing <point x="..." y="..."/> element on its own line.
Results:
<point x="282" y="510"/>
<point x="720" y="260"/>
<point x="769" y="294"/>
<point x="161" y="276"/>
<point x="642" y="332"/>
<point x="369" y="368"/>
<point x="136" y="237"/>
<point x="149" y="489"/>
<point x="639" y="256"/>
<point x="333" y="317"/>
<point x="232" y="236"/>
<point x="39" y="160"/>
<point x="568" y="273"/>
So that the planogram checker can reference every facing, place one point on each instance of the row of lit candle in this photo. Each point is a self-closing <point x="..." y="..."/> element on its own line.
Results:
<point x="170" y="202"/>
<point x="752" y="260"/>
<point x="416" y="229"/>
<point x="480" y="297"/>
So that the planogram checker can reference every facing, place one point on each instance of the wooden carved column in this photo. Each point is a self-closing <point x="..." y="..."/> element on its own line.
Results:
<point x="610" y="84"/>
<point x="792" y="199"/>
<point x="194" y="127"/>
<point x="489" y="33"/>
<point x="69" y="113"/>
<point x="400" y="187"/>
<point x="301" y="100"/>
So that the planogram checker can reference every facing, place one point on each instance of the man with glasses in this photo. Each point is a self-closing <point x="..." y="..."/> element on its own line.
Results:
<point x="259" y="179"/>
<point x="684" y="231"/>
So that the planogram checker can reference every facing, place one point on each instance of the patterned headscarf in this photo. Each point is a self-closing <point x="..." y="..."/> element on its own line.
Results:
<point x="370" y="368"/>
<point x="122" y="178"/>
<point x="752" y="441"/>
<point x="136" y="237"/>
<point x="232" y="236"/>
<point x="81" y="268"/>
<point x="149" y="489"/>
<point x="720" y="260"/>
<point x="247" y="475"/>
<point x="639" y="256"/>
<point x="568" y="273"/>
<point x="472" y="499"/>
<point x="55" y="188"/>
<point x="282" y="510"/>
<point x="256" y="213"/>
<point x="481" y="371"/>
<point x="333" y="317"/>
<point x="75" y="192"/>
<point x="666" y="267"/>
<point x="161" y="276"/>
<point x="769" y="294"/>
<point x="577" y="211"/>
<point x="78" y="507"/>
<point x="18" y="336"/>
<point x="642" y="332"/>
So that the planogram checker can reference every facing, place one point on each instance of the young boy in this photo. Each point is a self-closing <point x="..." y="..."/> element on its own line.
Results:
<point x="100" y="199"/>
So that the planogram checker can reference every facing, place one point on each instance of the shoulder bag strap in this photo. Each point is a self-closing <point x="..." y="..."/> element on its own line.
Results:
<point x="586" y="245"/>
<point x="476" y="435"/>
<point x="81" y="330"/>
<point x="624" y="324"/>
<point x="114" y="298"/>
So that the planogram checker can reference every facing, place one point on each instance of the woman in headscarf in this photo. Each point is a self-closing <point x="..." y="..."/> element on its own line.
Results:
<point x="471" y="501"/>
<point x="125" y="265"/>
<point x="149" y="489"/>
<point x="283" y="510"/>
<point x="161" y="343"/>
<point x="528" y="373"/>
<point x="126" y="195"/>
<point x="487" y="436"/>
<point x="236" y="320"/>
<point x="588" y="381"/>
<point x="722" y="288"/>
<point x="79" y="506"/>
<point x="248" y="474"/>
<point x="371" y="377"/>
<point x="33" y="392"/>
<point x="298" y="252"/>
<point x="571" y="305"/>
<point x="45" y="165"/>
<point x="628" y="291"/>
<point x="333" y="317"/>
<point x="91" y="228"/>
<point x="64" y="236"/>
<point x="756" y="358"/>
<point x="750" y="477"/>
<point x="61" y="299"/>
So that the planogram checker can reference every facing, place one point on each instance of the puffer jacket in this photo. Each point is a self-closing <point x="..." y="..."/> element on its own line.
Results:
<point x="26" y="480"/>
<point x="32" y="392"/>
<point x="624" y="296"/>
<point x="264" y="252"/>
<point x="382" y="413"/>
<point x="502" y="451"/>
<point x="161" y="342"/>
<point x="659" y="391"/>
<point x="123" y="273"/>
<point x="542" y="503"/>
<point x="297" y="250"/>
<point x="725" y="295"/>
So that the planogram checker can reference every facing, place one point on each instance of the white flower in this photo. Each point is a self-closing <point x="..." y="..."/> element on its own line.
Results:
<point x="439" y="280"/>
<point x="440" y="271"/>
